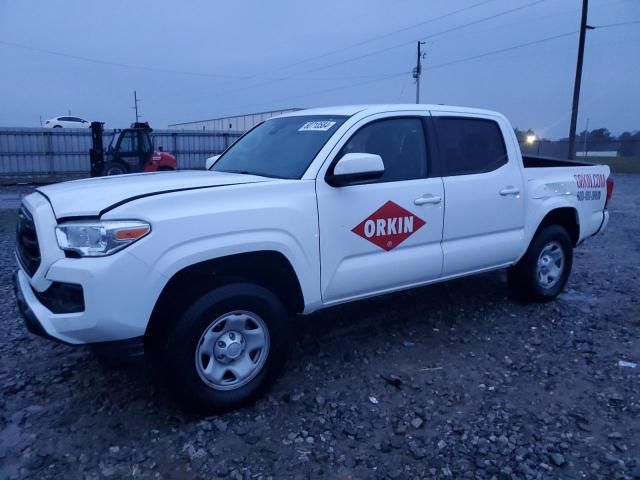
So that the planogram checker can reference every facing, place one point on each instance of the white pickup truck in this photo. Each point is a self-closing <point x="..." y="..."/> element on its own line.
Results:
<point x="305" y="211"/>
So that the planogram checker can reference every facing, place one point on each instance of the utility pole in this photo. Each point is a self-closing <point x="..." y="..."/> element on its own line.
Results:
<point x="417" y="71"/>
<point x="135" y="104"/>
<point x="576" y="87"/>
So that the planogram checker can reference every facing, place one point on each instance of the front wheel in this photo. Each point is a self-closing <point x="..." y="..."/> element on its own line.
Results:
<point x="544" y="270"/>
<point x="227" y="347"/>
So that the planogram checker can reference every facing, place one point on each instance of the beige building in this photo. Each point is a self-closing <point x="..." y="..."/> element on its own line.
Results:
<point x="236" y="123"/>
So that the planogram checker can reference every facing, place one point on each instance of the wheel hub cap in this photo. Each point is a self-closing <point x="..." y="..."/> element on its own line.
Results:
<point x="230" y="345"/>
<point x="550" y="265"/>
<point x="232" y="350"/>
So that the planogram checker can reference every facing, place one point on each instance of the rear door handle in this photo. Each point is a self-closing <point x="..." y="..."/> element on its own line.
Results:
<point x="428" y="199"/>
<point x="510" y="190"/>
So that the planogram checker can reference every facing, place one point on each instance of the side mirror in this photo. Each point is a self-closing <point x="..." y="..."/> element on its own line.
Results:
<point x="356" y="168"/>
<point x="210" y="161"/>
<point x="161" y="148"/>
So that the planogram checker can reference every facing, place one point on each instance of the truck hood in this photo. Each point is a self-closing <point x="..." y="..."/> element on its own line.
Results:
<point x="92" y="197"/>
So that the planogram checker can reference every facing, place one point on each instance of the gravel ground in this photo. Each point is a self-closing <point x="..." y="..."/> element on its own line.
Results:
<point x="451" y="381"/>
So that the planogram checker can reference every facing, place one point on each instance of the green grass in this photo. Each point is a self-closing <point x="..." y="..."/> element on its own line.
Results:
<point x="619" y="164"/>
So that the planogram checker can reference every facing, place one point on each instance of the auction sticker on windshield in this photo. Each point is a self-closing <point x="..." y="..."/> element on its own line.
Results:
<point x="317" y="126"/>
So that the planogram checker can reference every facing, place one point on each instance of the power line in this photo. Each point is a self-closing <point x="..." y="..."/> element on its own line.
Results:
<point x="379" y="37"/>
<point x="434" y="35"/>
<point x="328" y="90"/>
<point x="502" y="50"/>
<point x="453" y="62"/>
<point x="290" y="76"/>
<point x="611" y="25"/>
<point x="110" y="63"/>
<point x="393" y="47"/>
<point x="159" y="69"/>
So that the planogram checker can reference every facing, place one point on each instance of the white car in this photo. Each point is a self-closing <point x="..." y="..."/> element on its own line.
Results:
<point x="66" y="122"/>
<point x="311" y="209"/>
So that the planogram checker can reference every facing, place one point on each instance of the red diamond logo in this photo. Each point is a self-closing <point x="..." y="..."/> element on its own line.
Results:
<point x="389" y="226"/>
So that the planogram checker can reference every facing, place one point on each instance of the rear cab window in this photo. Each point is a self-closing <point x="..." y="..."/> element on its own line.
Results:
<point x="469" y="145"/>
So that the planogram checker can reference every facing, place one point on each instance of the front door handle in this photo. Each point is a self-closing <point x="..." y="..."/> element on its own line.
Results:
<point x="428" y="199"/>
<point x="510" y="190"/>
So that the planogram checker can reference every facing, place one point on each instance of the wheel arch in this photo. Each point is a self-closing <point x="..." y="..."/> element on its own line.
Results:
<point x="267" y="268"/>
<point x="566" y="217"/>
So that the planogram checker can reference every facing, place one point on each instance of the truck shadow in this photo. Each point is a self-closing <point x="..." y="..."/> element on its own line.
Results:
<point x="333" y="334"/>
<point x="410" y="309"/>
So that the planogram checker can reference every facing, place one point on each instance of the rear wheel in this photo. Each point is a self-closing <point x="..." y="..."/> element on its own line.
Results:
<point x="227" y="347"/>
<point x="544" y="270"/>
<point x="114" y="168"/>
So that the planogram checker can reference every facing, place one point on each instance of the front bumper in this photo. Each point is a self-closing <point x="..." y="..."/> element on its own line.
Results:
<point x="115" y="352"/>
<point x="30" y="320"/>
<point x="83" y="300"/>
<point x="116" y="304"/>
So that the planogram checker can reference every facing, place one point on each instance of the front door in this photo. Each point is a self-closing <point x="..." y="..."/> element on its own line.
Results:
<point x="385" y="234"/>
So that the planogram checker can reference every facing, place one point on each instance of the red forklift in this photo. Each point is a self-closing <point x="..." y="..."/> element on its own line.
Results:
<point x="130" y="151"/>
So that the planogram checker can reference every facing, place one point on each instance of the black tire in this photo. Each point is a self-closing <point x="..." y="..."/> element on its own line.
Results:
<point x="114" y="168"/>
<point x="182" y="341"/>
<point x="166" y="169"/>
<point x="57" y="126"/>
<point x="524" y="276"/>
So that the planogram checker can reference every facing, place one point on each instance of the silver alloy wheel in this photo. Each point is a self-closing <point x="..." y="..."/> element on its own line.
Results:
<point x="550" y="265"/>
<point x="232" y="350"/>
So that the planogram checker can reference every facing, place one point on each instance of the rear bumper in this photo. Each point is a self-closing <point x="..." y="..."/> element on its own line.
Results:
<point x="605" y="221"/>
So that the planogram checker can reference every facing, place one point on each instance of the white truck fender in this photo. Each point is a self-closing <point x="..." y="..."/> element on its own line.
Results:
<point x="209" y="248"/>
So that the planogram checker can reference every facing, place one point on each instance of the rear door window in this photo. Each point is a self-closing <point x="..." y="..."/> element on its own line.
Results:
<point x="470" y="145"/>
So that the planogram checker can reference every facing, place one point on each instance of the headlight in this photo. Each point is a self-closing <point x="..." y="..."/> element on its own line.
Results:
<point x="97" y="239"/>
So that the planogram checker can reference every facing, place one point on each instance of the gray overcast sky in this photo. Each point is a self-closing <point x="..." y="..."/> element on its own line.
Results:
<point x="205" y="59"/>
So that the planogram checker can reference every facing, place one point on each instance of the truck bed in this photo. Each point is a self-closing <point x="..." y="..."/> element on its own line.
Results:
<point x="533" y="161"/>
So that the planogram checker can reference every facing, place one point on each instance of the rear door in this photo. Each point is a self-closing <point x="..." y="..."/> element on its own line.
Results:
<point x="384" y="234"/>
<point x="483" y="185"/>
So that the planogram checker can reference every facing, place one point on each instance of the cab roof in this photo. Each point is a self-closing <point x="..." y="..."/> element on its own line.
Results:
<point x="350" y="110"/>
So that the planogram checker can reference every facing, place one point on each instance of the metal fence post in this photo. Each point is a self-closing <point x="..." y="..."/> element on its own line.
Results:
<point x="174" y="151"/>
<point x="49" y="152"/>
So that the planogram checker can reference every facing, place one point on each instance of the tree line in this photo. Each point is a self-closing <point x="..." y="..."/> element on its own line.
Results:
<point x="627" y="143"/>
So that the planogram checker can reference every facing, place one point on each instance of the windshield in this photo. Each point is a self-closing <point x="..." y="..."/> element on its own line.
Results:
<point x="280" y="147"/>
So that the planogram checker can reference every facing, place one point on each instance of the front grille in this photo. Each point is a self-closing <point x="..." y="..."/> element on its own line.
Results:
<point x="27" y="242"/>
